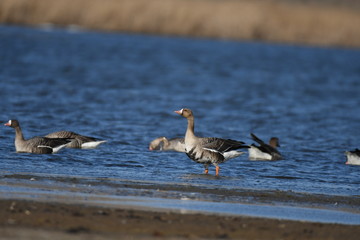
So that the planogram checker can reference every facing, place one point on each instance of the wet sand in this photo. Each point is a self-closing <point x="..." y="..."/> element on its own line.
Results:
<point x="66" y="209"/>
<point x="34" y="186"/>
<point x="59" y="207"/>
<point x="22" y="219"/>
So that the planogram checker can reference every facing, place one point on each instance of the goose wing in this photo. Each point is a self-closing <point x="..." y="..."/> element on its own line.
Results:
<point x="258" y="140"/>
<point x="48" y="142"/>
<point x="221" y="145"/>
<point x="356" y="151"/>
<point x="263" y="146"/>
<point x="69" y="134"/>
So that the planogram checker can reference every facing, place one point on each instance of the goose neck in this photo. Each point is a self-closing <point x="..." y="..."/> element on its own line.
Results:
<point x="18" y="134"/>
<point x="190" y="128"/>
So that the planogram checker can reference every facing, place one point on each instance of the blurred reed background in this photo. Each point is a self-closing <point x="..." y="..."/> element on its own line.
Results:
<point x="313" y="22"/>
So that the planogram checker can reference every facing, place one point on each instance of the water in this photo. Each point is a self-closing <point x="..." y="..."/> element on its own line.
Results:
<point x="124" y="89"/>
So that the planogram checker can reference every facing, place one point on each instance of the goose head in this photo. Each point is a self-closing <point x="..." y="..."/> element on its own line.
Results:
<point x="185" y="112"/>
<point x="12" y="123"/>
<point x="274" y="142"/>
<point x="157" y="143"/>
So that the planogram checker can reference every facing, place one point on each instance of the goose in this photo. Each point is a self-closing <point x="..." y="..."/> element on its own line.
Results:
<point x="353" y="157"/>
<point x="79" y="141"/>
<point x="264" y="151"/>
<point x="208" y="150"/>
<point x="40" y="145"/>
<point x="164" y="144"/>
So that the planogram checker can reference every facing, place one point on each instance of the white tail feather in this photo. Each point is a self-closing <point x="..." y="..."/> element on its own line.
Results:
<point x="232" y="154"/>
<point x="257" y="154"/>
<point x="89" y="145"/>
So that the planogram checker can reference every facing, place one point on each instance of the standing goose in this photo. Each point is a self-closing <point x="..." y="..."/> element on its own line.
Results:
<point x="164" y="144"/>
<point x="79" y="141"/>
<point x="264" y="151"/>
<point x="208" y="150"/>
<point x="38" y="145"/>
<point x="353" y="157"/>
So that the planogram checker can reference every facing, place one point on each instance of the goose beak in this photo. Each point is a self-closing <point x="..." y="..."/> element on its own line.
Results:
<point x="179" y="112"/>
<point x="7" y="124"/>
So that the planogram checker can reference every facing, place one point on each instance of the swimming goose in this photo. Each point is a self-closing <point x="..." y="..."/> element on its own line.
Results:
<point x="36" y="144"/>
<point x="264" y="151"/>
<point x="208" y="150"/>
<point x="353" y="157"/>
<point x="79" y="141"/>
<point x="164" y="144"/>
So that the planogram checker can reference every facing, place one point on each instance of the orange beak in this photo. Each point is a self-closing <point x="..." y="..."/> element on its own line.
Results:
<point x="179" y="112"/>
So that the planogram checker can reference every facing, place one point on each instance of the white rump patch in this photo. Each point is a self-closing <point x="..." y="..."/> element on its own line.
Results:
<point x="90" y="145"/>
<point x="256" y="154"/>
<point x="232" y="154"/>
<point x="352" y="158"/>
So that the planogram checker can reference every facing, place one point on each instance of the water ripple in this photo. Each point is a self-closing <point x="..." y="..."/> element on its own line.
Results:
<point x="92" y="84"/>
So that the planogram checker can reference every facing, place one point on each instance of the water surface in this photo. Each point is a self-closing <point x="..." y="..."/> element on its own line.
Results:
<point x="124" y="88"/>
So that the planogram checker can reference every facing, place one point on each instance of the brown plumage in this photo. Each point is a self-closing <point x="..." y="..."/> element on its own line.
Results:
<point x="164" y="144"/>
<point x="208" y="150"/>
<point x="79" y="141"/>
<point x="40" y="145"/>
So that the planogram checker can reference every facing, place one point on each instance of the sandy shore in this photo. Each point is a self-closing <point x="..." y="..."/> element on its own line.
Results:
<point x="314" y="22"/>
<point x="43" y="206"/>
<point x="21" y="219"/>
<point x="59" y="207"/>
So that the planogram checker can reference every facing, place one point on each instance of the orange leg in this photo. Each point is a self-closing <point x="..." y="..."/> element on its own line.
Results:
<point x="206" y="171"/>
<point x="217" y="168"/>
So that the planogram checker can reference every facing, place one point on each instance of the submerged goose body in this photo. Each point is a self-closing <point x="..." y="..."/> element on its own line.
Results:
<point x="79" y="141"/>
<point x="264" y="151"/>
<point x="164" y="144"/>
<point x="208" y="150"/>
<point x="40" y="145"/>
<point x="353" y="157"/>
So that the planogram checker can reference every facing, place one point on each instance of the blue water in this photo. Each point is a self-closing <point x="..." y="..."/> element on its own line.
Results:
<point x="124" y="89"/>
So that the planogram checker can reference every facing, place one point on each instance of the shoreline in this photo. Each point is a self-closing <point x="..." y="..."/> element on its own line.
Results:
<point x="81" y="221"/>
<point x="43" y="184"/>
<point x="58" y="207"/>
<point x="40" y="206"/>
<point x="312" y="22"/>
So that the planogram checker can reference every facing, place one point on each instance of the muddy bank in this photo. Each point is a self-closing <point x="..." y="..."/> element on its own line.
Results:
<point x="123" y="187"/>
<point x="326" y="23"/>
<point x="80" y="221"/>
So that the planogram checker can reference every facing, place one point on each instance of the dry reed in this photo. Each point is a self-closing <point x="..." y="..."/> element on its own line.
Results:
<point x="267" y="20"/>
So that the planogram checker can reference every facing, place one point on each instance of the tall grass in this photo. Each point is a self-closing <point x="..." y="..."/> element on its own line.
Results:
<point x="267" y="20"/>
